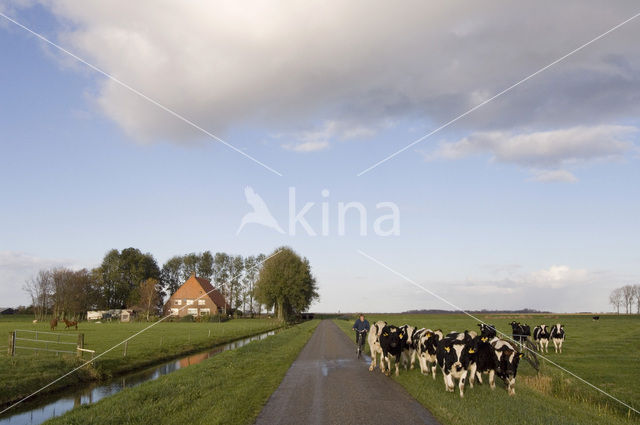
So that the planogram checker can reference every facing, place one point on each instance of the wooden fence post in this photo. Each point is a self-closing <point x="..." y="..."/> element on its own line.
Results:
<point x="125" y="349"/>
<point x="12" y="343"/>
<point x="80" y="344"/>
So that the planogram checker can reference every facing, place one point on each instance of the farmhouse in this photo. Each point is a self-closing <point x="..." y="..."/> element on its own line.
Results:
<point x="196" y="297"/>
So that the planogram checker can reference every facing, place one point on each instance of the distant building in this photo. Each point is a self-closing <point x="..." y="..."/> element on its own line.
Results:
<point x="196" y="297"/>
<point x="6" y="310"/>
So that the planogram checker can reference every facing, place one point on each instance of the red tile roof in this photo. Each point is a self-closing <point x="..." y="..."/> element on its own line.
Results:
<point x="212" y="293"/>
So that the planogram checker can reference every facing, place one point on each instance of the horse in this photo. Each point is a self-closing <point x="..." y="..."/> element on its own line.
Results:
<point x="54" y="323"/>
<point x="70" y="324"/>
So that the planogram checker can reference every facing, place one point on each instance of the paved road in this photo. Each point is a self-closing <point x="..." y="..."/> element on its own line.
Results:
<point x="328" y="385"/>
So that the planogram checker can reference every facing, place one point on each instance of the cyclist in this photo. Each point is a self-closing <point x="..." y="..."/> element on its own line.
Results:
<point x="361" y="327"/>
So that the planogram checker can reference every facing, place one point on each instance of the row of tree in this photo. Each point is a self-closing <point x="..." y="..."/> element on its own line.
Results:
<point x="131" y="278"/>
<point x="625" y="297"/>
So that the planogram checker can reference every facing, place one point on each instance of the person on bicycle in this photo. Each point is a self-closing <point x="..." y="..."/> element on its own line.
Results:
<point x="361" y="327"/>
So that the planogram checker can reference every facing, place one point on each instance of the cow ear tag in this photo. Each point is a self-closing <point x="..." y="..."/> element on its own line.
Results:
<point x="400" y="335"/>
<point x="484" y="339"/>
<point x="520" y="355"/>
<point x="386" y="334"/>
<point x="471" y="351"/>
<point x="447" y="349"/>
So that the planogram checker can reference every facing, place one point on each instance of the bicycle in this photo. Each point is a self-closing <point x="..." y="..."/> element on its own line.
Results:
<point x="360" y="335"/>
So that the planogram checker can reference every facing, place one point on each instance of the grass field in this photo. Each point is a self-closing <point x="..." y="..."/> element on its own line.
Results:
<point x="230" y="388"/>
<point x="27" y="372"/>
<point x="604" y="352"/>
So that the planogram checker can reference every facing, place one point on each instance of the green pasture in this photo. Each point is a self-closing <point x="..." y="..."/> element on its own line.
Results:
<point x="28" y="371"/>
<point x="604" y="353"/>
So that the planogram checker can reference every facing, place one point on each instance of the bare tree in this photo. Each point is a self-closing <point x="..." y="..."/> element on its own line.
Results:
<point x="636" y="294"/>
<point x="628" y="297"/>
<point x="40" y="288"/>
<point x="616" y="299"/>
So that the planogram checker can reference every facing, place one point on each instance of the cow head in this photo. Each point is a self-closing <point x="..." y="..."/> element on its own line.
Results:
<point x="487" y="332"/>
<point x="507" y="360"/>
<point x="392" y="336"/>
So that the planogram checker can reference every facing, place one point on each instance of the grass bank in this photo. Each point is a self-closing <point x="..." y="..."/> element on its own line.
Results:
<point x="230" y="388"/>
<point x="27" y="372"/>
<point x="602" y="352"/>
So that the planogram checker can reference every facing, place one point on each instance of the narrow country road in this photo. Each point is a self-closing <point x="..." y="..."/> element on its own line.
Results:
<point x="328" y="385"/>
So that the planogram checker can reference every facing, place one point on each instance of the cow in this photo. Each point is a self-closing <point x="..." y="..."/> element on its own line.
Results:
<point x="596" y="317"/>
<point x="482" y="359"/>
<point x="69" y="324"/>
<point x="557" y="336"/>
<point x="507" y="359"/>
<point x="453" y="358"/>
<point x="53" y="323"/>
<point x="407" y="344"/>
<point x="391" y="341"/>
<point x="414" y="347"/>
<point x="488" y="331"/>
<point x="466" y="336"/>
<point x="541" y="338"/>
<point x="374" y="343"/>
<point x="427" y="347"/>
<point x="520" y="331"/>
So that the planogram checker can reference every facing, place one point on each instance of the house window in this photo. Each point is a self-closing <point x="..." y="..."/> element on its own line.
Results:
<point x="177" y="302"/>
<point x="192" y="311"/>
<point x="189" y="302"/>
<point x="174" y="311"/>
<point x="201" y="302"/>
<point x="205" y="312"/>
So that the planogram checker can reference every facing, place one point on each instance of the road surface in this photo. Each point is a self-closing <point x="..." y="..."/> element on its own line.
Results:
<point x="328" y="385"/>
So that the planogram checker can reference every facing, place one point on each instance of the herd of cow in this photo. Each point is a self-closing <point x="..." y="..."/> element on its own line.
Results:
<point x="460" y="355"/>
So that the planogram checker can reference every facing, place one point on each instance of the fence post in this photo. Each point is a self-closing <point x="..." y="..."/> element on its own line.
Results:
<point x="125" y="349"/>
<point x="80" y="344"/>
<point x="12" y="343"/>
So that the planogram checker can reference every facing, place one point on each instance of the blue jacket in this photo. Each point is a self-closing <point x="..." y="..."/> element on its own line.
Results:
<point x="361" y="326"/>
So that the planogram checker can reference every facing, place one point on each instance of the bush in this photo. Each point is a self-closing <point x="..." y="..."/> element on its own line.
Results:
<point x="187" y="318"/>
<point x="215" y="318"/>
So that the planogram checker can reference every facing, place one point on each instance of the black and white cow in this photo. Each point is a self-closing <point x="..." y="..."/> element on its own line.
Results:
<point x="391" y="341"/>
<point x="466" y="336"/>
<point x="487" y="331"/>
<point x="427" y="347"/>
<point x="407" y="344"/>
<point x="453" y="358"/>
<point x="414" y="347"/>
<point x="557" y="336"/>
<point x="482" y="359"/>
<point x="541" y="337"/>
<point x="520" y="331"/>
<point x="507" y="359"/>
<point x="374" y="343"/>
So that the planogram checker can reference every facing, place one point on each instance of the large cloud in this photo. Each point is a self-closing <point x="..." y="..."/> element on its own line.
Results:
<point x="293" y="64"/>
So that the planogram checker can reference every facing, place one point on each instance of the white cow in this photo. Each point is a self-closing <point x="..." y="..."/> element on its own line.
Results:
<point x="427" y="346"/>
<point x="374" y="344"/>
<point x="557" y="336"/>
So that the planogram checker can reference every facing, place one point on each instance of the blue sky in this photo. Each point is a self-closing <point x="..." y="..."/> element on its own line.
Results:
<point x="531" y="201"/>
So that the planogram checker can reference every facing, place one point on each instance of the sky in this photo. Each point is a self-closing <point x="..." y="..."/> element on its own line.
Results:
<point x="530" y="200"/>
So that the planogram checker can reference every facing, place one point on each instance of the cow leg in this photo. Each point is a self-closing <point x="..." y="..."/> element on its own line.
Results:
<point x="413" y="358"/>
<point x="448" y="382"/>
<point x="461" y="383"/>
<point x="434" y="370"/>
<point x="398" y="366"/>
<point x="479" y="376"/>
<point x="472" y="374"/>
<point x="373" y="359"/>
<point x="512" y="389"/>
<point x="560" y="346"/>
<point x="492" y="379"/>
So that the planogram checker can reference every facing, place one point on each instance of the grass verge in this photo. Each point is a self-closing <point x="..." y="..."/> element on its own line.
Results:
<point x="230" y="388"/>
<point x="600" y="352"/>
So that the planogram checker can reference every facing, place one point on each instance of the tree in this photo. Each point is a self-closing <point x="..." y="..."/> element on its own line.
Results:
<point x="171" y="275"/>
<point x="616" y="298"/>
<point x="149" y="295"/>
<point x="251" y="271"/>
<point x="286" y="283"/>
<point x="121" y="273"/>
<point x="628" y="297"/>
<point x="205" y="265"/>
<point x="636" y="295"/>
<point x="221" y="266"/>
<point x="40" y="290"/>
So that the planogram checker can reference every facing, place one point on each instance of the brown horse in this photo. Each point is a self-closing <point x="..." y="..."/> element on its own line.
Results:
<point x="54" y="323"/>
<point x="70" y="324"/>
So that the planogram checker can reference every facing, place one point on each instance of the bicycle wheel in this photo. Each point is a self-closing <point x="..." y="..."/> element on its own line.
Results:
<point x="530" y="355"/>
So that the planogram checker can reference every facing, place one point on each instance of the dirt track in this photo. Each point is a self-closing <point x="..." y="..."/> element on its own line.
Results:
<point x="328" y="385"/>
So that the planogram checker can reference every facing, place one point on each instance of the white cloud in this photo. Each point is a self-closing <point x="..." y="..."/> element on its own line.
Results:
<point x="320" y="139"/>
<point x="557" y="277"/>
<point x="545" y="153"/>
<point x="311" y="146"/>
<point x="286" y="63"/>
